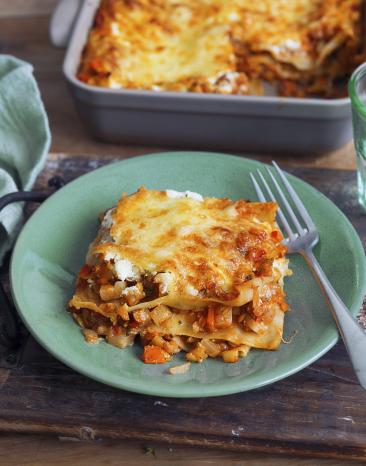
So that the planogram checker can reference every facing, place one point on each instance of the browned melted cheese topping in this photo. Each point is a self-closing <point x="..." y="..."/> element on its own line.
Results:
<point x="210" y="248"/>
<point x="302" y="47"/>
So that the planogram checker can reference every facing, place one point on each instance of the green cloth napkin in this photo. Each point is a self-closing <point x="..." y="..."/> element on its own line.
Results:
<point x="24" y="140"/>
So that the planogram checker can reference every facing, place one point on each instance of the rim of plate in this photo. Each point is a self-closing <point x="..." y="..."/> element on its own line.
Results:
<point x="307" y="357"/>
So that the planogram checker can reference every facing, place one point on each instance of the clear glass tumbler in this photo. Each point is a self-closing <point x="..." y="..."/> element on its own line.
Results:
<point x="357" y="93"/>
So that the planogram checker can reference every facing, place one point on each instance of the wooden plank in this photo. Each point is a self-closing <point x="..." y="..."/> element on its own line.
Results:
<point x="316" y="412"/>
<point x="29" y="450"/>
<point x="320" y="411"/>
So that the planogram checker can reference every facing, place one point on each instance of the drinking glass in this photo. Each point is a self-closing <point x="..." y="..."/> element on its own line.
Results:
<point x="357" y="93"/>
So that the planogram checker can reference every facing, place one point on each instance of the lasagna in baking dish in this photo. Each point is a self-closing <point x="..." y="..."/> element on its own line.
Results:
<point x="301" y="47"/>
<point x="183" y="272"/>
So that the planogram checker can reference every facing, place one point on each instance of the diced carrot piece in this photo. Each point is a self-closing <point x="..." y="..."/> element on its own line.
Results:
<point x="83" y="77"/>
<point x="117" y="330"/>
<point x="82" y="284"/>
<point x="104" y="31"/>
<point x="277" y="235"/>
<point x="256" y="254"/>
<point x="84" y="271"/>
<point x="283" y="305"/>
<point x="134" y="324"/>
<point x="99" y="18"/>
<point x="97" y="65"/>
<point x="154" y="355"/>
<point x="123" y="312"/>
<point x="211" y="319"/>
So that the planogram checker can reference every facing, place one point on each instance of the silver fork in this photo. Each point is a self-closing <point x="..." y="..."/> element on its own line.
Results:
<point x="302" y="242"/>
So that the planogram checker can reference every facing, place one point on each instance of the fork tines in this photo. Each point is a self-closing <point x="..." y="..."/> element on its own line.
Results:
<point x="300" y="230"/>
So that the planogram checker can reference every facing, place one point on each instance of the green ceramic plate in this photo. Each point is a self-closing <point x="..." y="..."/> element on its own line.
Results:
<point x="53" y="244"/>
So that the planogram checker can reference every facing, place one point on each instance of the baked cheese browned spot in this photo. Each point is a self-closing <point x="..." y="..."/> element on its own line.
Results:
<point x="302" y="47"/>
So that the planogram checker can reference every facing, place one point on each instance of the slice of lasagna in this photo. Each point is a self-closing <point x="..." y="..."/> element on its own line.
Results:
<point x="202" y="275"/>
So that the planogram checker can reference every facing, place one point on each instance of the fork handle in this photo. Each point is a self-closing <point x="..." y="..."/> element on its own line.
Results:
<point x="353" y="335"/>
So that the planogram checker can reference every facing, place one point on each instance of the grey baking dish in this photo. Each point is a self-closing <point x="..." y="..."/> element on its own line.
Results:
<point x="195" y="120"/>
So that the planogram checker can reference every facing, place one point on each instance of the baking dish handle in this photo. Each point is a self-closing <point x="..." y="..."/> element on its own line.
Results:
<point x="10" y="335"/>
<point x="62" y="21"/>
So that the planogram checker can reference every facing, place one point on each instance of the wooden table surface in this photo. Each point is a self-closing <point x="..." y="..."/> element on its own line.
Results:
<point x="24" y="33"/>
